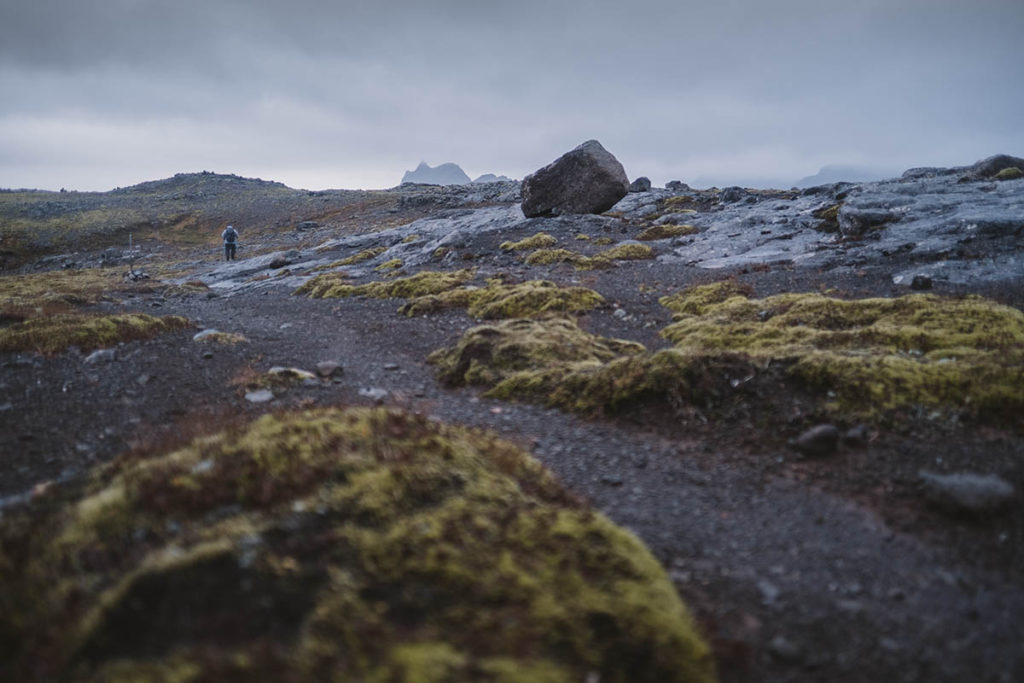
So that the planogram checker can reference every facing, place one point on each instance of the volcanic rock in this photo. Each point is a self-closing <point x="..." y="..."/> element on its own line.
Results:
<point x="588" y="179"/>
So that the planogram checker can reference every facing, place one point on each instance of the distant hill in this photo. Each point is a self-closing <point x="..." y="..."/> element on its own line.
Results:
<point x="837" y="173"/>
<point x="445" y="174"/>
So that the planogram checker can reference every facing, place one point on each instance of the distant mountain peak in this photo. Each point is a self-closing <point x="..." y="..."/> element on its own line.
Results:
<point x="445" y="174"/>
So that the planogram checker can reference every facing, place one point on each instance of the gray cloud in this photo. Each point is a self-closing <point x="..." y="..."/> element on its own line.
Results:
<point x="318" y="93"/>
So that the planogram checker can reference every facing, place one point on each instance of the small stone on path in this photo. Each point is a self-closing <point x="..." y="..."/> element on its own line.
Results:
<point x="329" y="368"/>
<point x="259" y="396"/>
<point x="966" y="491"/>
<point x="101" y="356"/>
<point x="816" y="441"/>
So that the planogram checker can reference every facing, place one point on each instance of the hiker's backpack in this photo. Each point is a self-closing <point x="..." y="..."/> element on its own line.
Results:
<point x="230" y="235"/>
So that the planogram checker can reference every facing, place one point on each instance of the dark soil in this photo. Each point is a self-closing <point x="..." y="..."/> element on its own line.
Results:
<point x="832" y="569"/>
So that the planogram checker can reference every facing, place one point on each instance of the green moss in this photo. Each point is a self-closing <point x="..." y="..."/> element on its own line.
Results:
<point x="602" y="259"/>
<point x="364" y="255"/>
<point x="498" y="300"/>
<point x="537" y="241"/>
<point x="863" y="357"/>
<point x="829" y="218"/>
<point x="627" y="252"/>
<point x="603" y="241"/>
<point x="698" y="300"/>
<point x="583" y="238"/>
<point x="423" y="283"/>
<point x="516" y="355"/>
<point x="661" y="232"/>
<point x="64" y="289"/>
<point x="875" y="354"/>
<point x="1012" y="173"/>
<point x="410" y="239"/>
<point x="186" y="289"/>
<point x="393" y="264"/>
<point x="334" y="545"/>
<point x="543" y="257"/>
<point x="55" y="333"/>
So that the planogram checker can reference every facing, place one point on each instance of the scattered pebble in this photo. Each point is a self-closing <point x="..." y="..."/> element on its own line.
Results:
<point x="101" y="356"/>
<point x="784" y="649"/>
<point x="921" y="282"/>
<point x="611" y="480"/>
<point x="329" y="368"/>
<point x="856" y="437"/>
<point x="200" y="336"/>
<point x="391" y="366"/>
<point x="966" y="491"/>
<point x="259" y="396"/>
<point x="769" y="591"/>
<point x="817" y="441"/>
<point x="375" y="393"/>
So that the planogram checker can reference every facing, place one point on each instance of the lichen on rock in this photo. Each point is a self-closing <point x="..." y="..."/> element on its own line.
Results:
<point x="333" y="545"/>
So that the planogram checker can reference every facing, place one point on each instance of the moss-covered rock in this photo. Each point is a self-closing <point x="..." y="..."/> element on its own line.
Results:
<point x="333" y="545"/>
<point x="526" y="358"/>
<point x="498" y="300"/>
<point x="1012" y="173"/>
<point x="829" y="217"/>
<point x="863" y="357"/>
<point x="54" y="333"/>
<point x="540" y="240"/>
<point x="330" y="285"/>
<point x="626" y="252"/>
<point x="666" y="231"/>
<point x="543" y="257"/>
<point x="874" y="354"/>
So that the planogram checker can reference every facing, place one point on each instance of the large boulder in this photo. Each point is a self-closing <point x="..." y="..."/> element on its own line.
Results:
<point x="589" y="179"/>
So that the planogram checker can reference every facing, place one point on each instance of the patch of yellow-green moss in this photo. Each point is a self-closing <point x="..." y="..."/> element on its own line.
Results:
<point x="583" y="238"/>
<point x="666" y="231"/>
<point x="498" y="300"/>
<point x="676" y="204"/>
<point x="186" y="289"/>
<point x="63" y="289"/>
<point x="543" y="257"/>
<point x="829" y="217"/>
<point x="388" y="266"/>
<point x="334" y="545"/>
<point x="603" y="259"/>
<point x="540" y="240"/>
<point x="603" y="241"/>
<point x="873" y="354"/>
<point x="698" y="300"/>
<point x="54" y="333"/>
<point x="410" y="239"/>
<point x="863" y="357"/>
<point x="425" y="282"/>
<point x="1012" y="173"/>
<point x="364" y="255"/>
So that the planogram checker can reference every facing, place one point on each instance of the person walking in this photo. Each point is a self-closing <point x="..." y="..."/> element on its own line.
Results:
<point x="230" y="237"/>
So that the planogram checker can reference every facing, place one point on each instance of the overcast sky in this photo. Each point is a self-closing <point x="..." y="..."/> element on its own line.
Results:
<point x="328" y="94"/>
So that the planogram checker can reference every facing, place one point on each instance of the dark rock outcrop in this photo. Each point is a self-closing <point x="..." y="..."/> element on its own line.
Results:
<point x="990" y="167"/>
<point x="588" y="179"/>
<point x="641" y="184"/>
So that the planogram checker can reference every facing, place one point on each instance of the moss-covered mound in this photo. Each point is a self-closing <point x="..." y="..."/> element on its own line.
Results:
<point x="526" y="358"/>
<point x="537" y="241"/>
<point x="603" y="259"/>
<point x="863" y="357"/>
<point x="54" y="333"/>
<point x="553" y="361"/>
<point x="874" y="354"/>
<point x="498" y="300"/>
<point x="333" y="545"/>
<point x="1012" y="173"/>
<point x="666" y="231"/>
<point x="330" y="285"/>
<point x="62" y="289"/>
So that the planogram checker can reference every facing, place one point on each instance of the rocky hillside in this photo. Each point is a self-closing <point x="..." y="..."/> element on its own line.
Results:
<point x="745" y="435"/>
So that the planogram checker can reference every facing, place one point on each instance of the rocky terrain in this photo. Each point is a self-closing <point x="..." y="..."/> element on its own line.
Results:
<point x="807" y="405"/>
